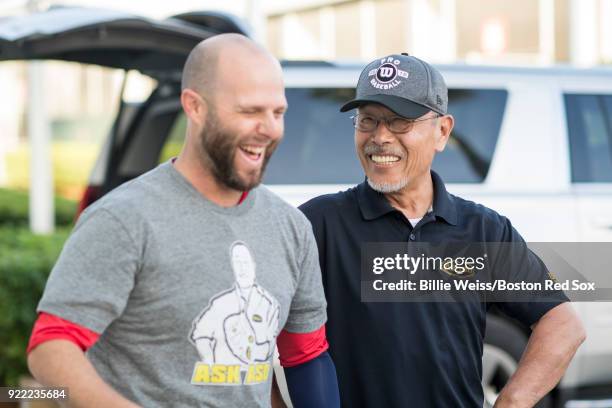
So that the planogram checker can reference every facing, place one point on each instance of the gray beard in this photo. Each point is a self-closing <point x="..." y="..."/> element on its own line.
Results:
<point x="388" y="187"/>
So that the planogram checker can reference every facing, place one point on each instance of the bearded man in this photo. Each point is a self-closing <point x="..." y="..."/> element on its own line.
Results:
<point x="148" y="260"/>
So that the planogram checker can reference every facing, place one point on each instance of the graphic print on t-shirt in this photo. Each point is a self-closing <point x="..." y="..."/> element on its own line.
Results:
<point x="236" y="333"/>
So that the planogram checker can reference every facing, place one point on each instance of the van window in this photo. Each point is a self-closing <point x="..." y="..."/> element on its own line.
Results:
<point x="318" y="147"/>
<point x="478" y="117"/>
<point x="589" y="124"/>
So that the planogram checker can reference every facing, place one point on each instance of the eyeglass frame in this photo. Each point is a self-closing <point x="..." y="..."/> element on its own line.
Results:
<point x="386" y="121"/>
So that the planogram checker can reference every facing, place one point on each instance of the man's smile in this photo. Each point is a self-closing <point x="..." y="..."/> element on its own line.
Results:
<point x="384" y="159"/>
<point x="253" y="152"/>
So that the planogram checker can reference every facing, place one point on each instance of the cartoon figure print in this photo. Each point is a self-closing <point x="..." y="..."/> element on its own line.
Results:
<point x="237" y="330"/>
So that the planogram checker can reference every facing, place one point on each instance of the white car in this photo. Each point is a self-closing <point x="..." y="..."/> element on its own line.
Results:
<point x="533" y="144"/>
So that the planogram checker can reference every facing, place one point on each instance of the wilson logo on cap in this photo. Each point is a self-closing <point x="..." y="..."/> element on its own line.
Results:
<point x="386" y="75"/>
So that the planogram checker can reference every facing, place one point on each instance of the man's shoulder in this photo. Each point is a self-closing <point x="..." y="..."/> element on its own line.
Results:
<point x="471" y="208"/>
<point x="130" y="200"/>
<point x="271" y="203"/>
<point x="470" y="212"/>
<point x="329" y="203"/>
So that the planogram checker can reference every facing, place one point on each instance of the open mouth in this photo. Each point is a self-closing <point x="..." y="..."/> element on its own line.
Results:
<point x="384" y="159"/>
<point x="253" y="153"/>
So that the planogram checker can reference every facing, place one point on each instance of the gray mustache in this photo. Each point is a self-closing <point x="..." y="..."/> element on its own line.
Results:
<point x="380" y="150"/>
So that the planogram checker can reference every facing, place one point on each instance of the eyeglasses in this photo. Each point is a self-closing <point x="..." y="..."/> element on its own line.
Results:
<point x="396" y="124"/>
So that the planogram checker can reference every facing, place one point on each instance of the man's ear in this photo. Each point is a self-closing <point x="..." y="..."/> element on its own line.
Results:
<point x="195" y="107"/>
<point x="444" y="130"/>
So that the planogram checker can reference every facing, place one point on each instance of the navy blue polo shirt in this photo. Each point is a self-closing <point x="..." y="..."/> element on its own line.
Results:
<point x="406" y="354"/>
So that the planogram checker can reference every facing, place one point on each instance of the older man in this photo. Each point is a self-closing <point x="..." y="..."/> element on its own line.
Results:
<point x="147" y="282"/>
<point x="423" y="354"/>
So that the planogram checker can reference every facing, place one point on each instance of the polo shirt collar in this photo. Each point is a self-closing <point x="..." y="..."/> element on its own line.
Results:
<point x="444" y="204"/>
<point x="374" y="204"/>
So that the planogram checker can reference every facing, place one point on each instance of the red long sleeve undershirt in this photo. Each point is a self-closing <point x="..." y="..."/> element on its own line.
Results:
<point x="293" y="348"/>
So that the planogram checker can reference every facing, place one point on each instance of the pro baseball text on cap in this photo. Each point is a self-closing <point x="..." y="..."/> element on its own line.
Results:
<point x="405" y="84"/>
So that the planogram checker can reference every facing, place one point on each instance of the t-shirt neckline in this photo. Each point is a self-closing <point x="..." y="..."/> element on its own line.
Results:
<point x="238" y="209"/>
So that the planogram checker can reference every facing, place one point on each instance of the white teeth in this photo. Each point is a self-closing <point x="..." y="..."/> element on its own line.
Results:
<point x="253" y="149"/>
<point x="384" y="159"/>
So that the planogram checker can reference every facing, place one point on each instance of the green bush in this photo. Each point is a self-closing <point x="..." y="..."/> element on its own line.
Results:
<point x="14" y="209"/>
<point x="25" y="263"/>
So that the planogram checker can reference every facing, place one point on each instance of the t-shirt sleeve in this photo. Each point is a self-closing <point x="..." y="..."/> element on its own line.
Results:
<point x="308" y="307"/>
<point x="298" y="348"/>
<point x="95" y="273"/>
<point x="49" y="327"/>
<point x="517" y="263"/>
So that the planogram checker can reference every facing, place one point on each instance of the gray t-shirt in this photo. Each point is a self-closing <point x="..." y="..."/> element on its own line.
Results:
<point x="188" y="296"/>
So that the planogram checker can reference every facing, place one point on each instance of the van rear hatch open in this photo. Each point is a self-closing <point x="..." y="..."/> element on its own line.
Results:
<point x="111" y="38"/>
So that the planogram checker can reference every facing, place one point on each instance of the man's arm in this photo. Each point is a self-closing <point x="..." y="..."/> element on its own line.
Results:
<point x="88" y="288"/>
<point x="302" y="344"/>
<point x="61" y="363"/>
<point x="309" y="370"/>
<point x="552" y="345"/>
<point x="313" y="384"/>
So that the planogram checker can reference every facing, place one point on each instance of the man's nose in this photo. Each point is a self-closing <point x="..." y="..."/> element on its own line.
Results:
<point x="382" y="135"/>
